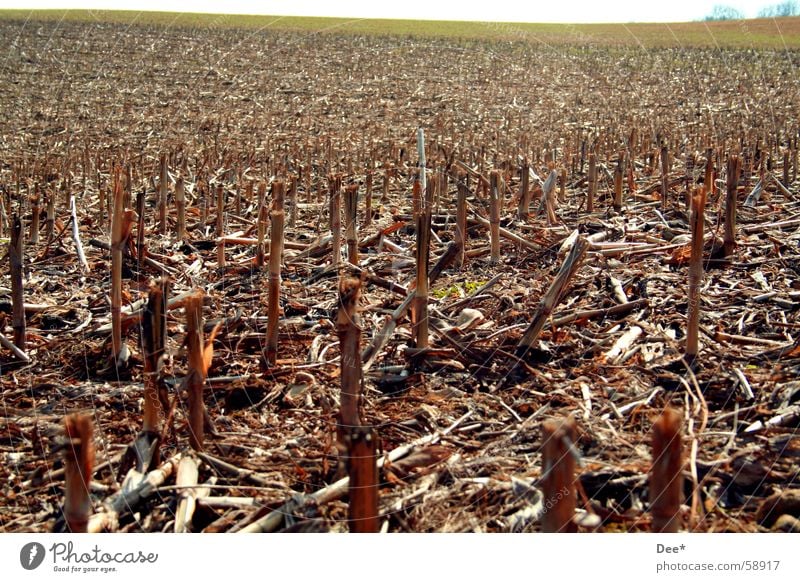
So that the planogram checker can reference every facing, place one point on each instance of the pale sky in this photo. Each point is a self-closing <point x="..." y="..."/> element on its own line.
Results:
<point x="492" y="10"/>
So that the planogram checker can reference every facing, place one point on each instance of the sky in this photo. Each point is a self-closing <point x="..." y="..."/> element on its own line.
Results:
<point x="494" y="10"/>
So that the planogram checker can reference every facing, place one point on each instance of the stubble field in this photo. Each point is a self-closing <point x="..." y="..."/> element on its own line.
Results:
<point x="238" y="111"/>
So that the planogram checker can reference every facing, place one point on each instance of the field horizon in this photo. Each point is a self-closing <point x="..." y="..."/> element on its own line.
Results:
<point x="756" y="33"/>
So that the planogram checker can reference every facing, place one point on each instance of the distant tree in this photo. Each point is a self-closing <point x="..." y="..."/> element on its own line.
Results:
<point x="787" y="8"/>
<point x="723" y="12"/>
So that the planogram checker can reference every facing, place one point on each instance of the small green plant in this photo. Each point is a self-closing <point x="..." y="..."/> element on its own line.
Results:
<point x="471" y="286"/>
<point x="461" y="289"/>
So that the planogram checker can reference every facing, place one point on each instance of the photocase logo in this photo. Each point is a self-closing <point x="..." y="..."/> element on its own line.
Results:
<point x="31" y="555"/>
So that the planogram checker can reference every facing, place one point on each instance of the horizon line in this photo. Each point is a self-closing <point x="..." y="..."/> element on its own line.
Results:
<point x="89" y="11"/>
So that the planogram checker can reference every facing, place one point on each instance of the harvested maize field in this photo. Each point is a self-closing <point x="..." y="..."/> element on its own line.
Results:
<point x="264" y="279"/>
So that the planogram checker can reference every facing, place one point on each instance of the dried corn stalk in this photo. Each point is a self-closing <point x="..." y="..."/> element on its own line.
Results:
<point x="362" y="464"/>
<point x="78" y="468"/>
<point x="553" y="294"/>
<point x="523" y="210"/>
<point x="461" y="223"/>
<point x="348" y="329"/>
<point x="199" y="361"/>
<point x="262" y="223"/>
<point x="335" y="185"/>
<point x="16" y="256"/>
<point x="558" y="476"/>
<point x="277" y="217"/>
<point x="495" y="200"/>
<point x="695" y="275"/>
<point x="666" y="476"/>
<point x="121" y="225"/>
<point x="154" y="337"/>
<point x="734" y="169"/>
<point x="351" y="226"/>
<point x="163" y="176"/>
<point x="180" y="203"/>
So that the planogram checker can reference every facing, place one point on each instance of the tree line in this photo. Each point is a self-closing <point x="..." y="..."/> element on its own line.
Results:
<point x="779" y="10"/>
